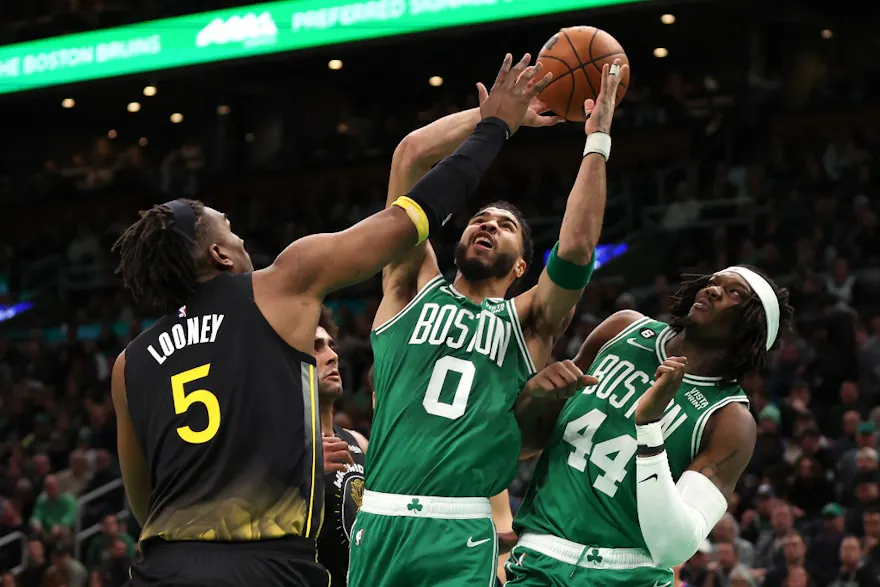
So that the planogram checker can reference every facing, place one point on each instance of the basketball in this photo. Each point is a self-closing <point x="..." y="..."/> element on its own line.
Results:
<point x="576" y="55"/>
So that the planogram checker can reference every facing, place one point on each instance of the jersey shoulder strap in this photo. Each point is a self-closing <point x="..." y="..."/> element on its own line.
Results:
<point x="419" y="297"/>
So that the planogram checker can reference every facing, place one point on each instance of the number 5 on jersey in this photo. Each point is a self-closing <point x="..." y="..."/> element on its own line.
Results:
<point x="183" y="401"/>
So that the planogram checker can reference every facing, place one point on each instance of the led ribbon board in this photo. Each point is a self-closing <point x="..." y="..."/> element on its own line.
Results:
<point x="247" y="31"/>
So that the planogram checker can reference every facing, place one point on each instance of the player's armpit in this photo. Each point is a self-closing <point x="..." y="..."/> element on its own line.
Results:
<point x="727" y="447"/>
<point x="135" y="473"/>
<point x="413" y="158"/>
<point x="318" y="264"/>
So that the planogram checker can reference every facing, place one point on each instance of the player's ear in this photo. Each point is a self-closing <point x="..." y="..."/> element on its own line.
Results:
<point x="519" y="269"/>
<point x="220" y="259"/>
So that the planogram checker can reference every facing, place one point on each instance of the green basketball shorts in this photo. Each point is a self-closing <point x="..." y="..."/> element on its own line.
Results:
<point x="541" y="560"/>
<point x="423" y="541"/>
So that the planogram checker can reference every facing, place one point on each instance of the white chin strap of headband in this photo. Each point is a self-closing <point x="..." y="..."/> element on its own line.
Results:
<point x="768" y="299"/>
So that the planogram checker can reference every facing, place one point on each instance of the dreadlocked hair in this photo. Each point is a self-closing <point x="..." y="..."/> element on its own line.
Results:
<point x="747" y="348"/>
<point x="157" y="263"/>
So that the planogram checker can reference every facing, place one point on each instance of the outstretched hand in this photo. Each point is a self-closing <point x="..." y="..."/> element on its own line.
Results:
<point x="601" y="111"/>
<point x="537" y="114"/>
<point x="558" y="380"/>
<point x="511" y="96"/>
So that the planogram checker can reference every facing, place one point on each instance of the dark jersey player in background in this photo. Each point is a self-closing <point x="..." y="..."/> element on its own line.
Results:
<point x="217" y="412"/>
<point x="343" y="479"/>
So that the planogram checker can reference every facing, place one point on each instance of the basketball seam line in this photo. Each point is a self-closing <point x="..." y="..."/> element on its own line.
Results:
<point x="556" y="79"/>
<point x="581" y="66"/>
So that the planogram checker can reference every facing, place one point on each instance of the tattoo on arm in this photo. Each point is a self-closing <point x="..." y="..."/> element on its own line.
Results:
<point x="717" y="472"/>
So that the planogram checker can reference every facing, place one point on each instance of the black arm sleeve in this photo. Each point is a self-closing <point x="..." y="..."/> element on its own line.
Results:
<point x="451" y="182"/>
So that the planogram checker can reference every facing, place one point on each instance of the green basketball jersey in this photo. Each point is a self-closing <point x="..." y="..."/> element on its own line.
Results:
<point x="447" y="372"/>
<point x="584" y="487"/>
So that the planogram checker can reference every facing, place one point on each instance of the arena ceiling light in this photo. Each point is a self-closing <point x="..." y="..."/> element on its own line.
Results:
<point x="150" y="91"/>
<point x="177" y="118"/>
<point x="247" y="31"/>
<point x="668" y="19"/>
<point x="68" y="103"/>
<point x="112" y="134"/>
<point x="223" y="110"/>
<point x="661" y="52"/>
<point x="435" y="81"/>
<point x="133" y="107"/>
<point x="335" y="64"/>
<point x="827" y="34"/>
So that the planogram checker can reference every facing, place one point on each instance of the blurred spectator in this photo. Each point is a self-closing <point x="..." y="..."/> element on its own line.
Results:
<point x="35" y="568"/>
<point x="757" y="522"/>
<point x="54" y="512"/>
<point x="696" y="570"/>
<point x="100" y="546"/>
<point x="810" y="489"/>
<point x="770" y="541"/>
<point x="114" y="570"/>
<point x="65" y="570"/>
<point x="727" y="530"/>
<point x="851" y="573"/>
<point x="825" y="551"/>
<point x="793" y="561"/>
<point x="726" y="563"/>
<point x="76" y="478"/>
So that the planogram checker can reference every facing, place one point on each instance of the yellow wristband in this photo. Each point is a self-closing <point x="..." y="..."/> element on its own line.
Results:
<point x="416" y="214"/>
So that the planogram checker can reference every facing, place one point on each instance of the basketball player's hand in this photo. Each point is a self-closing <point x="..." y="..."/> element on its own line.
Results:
<point x="558" y="380"/>
<point x="536" y="115"/>
<point x="513" y="91"/>
<point x="601" y="111"/>
<point x="667" y="380"/>
<point x="336" y="455"/>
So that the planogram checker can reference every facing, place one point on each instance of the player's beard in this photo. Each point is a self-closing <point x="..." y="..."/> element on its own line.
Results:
<point x="477" y="270"/>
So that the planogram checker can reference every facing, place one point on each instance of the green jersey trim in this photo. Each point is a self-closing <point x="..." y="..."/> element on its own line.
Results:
<point x="520" y="337"/>
<point x="697" y="437"/>
<point x="620" y="335"/>
<point x="664" y="337"/>
<point x="418" y="297"/>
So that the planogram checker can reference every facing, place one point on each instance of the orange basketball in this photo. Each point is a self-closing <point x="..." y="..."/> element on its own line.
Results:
<point x="576" y="55"/>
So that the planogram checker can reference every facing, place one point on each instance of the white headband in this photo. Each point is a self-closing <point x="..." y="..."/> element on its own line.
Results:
<point x="765" y="293"/>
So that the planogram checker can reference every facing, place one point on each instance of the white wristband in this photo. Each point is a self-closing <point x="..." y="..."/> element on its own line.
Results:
<point x="650" y="435"/>
<point x="598" y="142"/>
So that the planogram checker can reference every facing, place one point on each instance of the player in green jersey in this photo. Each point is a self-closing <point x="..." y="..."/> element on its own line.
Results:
<point x="604" y="507"/>
<point x="451" y="359"/>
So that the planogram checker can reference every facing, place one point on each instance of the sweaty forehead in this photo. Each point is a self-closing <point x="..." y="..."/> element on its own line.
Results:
<point x="497" y="213"/>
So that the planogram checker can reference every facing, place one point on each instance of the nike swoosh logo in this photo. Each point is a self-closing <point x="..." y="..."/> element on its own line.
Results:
<point x="634" y="343"/>
<point x="472" y="544"/>
<point x="446" y="220"/>
<point x="648" y="478"/>
<point x="666" y="584"/>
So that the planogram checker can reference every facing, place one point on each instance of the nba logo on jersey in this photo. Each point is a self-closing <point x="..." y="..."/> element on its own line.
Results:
<point x="181" y="313"/>
<point x="647" y="333"/>
<point x="358" y="537"/>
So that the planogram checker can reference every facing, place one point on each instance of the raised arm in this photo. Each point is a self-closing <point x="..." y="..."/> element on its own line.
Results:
<point x="318" y="264"/>
<point x="413" y="158"/>
<point x="544" y="309"/>
<point x="416" y="154"/>
<point x="676" y="517"/>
